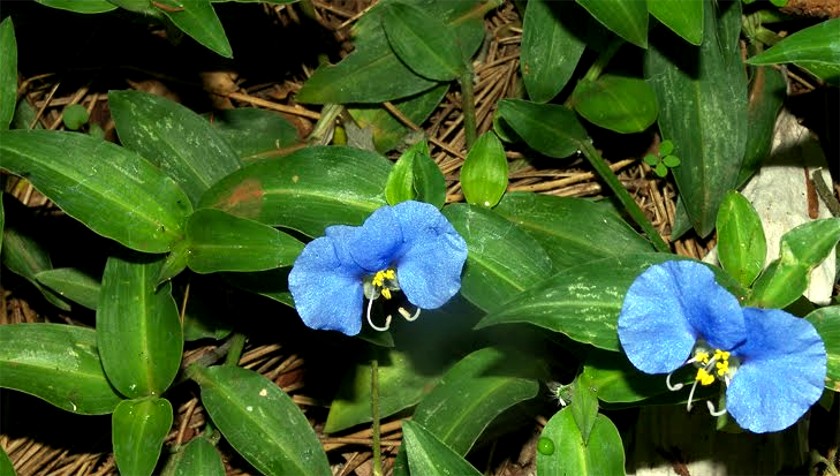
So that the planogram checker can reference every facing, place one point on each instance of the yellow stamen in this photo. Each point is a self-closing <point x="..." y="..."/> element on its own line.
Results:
<point x="702" y="357"/>
<point x="721" y="354"/>
<point x="386" y="293"/>
<point x="705" y="378"/>
<point x="722" y="367"/>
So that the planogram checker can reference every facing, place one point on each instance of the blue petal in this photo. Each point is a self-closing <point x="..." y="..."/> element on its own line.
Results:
<point x="327" y="290"/>
<point x="378" y="242"/>
<point x="782" y="372"/>
<point x="429" y="271"/>
<point x="668" y="307"/>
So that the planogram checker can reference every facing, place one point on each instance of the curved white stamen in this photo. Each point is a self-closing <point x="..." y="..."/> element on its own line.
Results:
<point x="370" y="321"/>
<point x="409" y="317"/>
<point x="691" y="395"/>
<point x="714" y="413"/>
<point x="673" y="387"/>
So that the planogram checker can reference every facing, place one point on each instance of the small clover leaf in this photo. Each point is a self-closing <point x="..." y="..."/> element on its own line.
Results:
<point x="664" y="160"/>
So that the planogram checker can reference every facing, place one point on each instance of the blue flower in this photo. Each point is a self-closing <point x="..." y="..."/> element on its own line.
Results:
<point x="409" y="247"/>
<point x="773" y="363"/>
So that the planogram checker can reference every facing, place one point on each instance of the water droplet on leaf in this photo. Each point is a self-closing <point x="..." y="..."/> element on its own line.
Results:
<point x="545" y="446"/>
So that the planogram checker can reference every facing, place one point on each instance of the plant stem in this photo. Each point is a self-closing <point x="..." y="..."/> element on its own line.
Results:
<point x="237" y="343"/>
<point x="603" y="60"/>
<point x="623" y="196"/>
<point x="374" y="412"/>
<point x="468" y="105"/>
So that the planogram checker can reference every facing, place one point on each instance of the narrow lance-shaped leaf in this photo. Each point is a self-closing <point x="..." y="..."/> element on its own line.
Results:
<point x="88" y="6"/>
<point x="428" y="455"/>
<point x="549" y="129"/>
<point x="683" y="17"/>
<point x="138" y="329"/>
<point x="260" y="421"/>
<point x="199" y="456"/>
<point x="138" y="428"/>
<point x="8" y="73"/>
<point x="484" y="175"/>
<point x="57" y="363"/>
<point x="26" y="257"/>
<point x="767" y="94"/>
<point x="626" y="18"/>
<point x="817" y="46"/>
<point x="112" y="190"/>
<point x="182" y="143"/>
<point x="742" y="248"/>
<point x="198" y="19"/>
<point x="72" y="284"/>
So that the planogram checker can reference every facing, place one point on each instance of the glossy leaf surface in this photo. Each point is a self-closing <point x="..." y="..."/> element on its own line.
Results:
<point x="261" y="422"/>
<point x="138" y="328"/>
<point x="827" y="323"/>
<point x="112" y="190"/>
<point x="138" y="428"/>
<point x="72" y="284"/>
<point x="8" y="73"/>
<point x="255" y="134"/>
<point x="683" y="17"/>
<point x="430" y="456"/>
<point x="26" y="257"/>
<point x="484" y="175"/>
<point x="602" y="456"/>
<point x="199" y="456"/>
<point x="626" y="18"/>
<point x="197" y="19"/>
<point x="549" y="129"/>
<point x="818" y="45"/>
<point x="57" y="363"/>
<point x="88" y="6"/>
<point x="742" y="248"/>
<point x="618" y="103"/>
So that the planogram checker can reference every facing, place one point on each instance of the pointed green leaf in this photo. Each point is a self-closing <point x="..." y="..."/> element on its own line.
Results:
<point x="26" y="257"/>
<point x="199" y="456"/>
<point x="423" y="42"/>
<point x="260" y="421"/>
<point x="88" y="6"/>
<point x="683" y="17"/>
<point x="549" y="129"/>
<point x="141" y="6"/>
<point x="827" y="323"/>
<point x="222" y="242"/>
<point x="138" y="428"/>
<point x="767" y="94"/>
<point x="197" y="19"/>
<point x="582" y="302"/>
<point x="742" y="248"/>
<point x="307" y="191"/>
<point x="474" y="392"/>
<point x="72" y="284"/>
<point x="138" y="329"/>
<point x="551" y="47"/>
<point x="602" y="456"/>
<point x="183" y="144"/>
<point x="6" y="468"/>
<point x="702" y="93"/>
<point x="110" y="189"/>
<point x="400" y="186"/>
<point x="626" y="18"/>
<point x="618" y="103"/>
<point x="484" y="175"/>
<point x="584" y="406"/>
<point x="429" y="456"/>
<point x="57" y="363"/>
<point x="572" y="230"/>
<point x="400" y="386"/>
<point x="502" y="261"/>
<point x="818" y="45"/>
<point x="801" y="250"/>
<point x="255" y="133"/>
<point x="8" y="73"/>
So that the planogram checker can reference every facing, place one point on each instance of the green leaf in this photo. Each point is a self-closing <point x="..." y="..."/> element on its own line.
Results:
<point x="221" y="242"/>
<point x="671" y="161"/>
<point x="388" y="131"/>
<point x="742" y="248"/>
<point x="584" y="406"/>
<point x="307" y="191"/>
<point x="401" y="385"/>
<point x="616" y="380"/>
<point x="602" y="456"/>
<point x="429" y="182"/>
<point x="547" y="128"/>
<point x="88" y="6"/>
<point x="197" y="19"/>
<point x="75" y="116"/>
<point x="138" y="428"/>
<point x="827" y="323"/>
<point x="484" y="175"/>
<point x="474" y="392"/>
<point x="183" y="144"/>
<point x="683" y="17"/>
<point x="255" y="134"/>
<point x="6" y="468"/>
<point x="8" y="73"/>
<point x="138" y="329"/>
<point x="800" y="251"/>
<point x="572" y="230"/>
<point x="260" y="421"/>
<point x="400" y="186"/>
<point x="702" y="94"/>
<point x="626" y="18"/>
<point x="112" y="190"/>
<point x="199" y="456"/>
<point x="551" y="47"/>
<point x="581" y="302"/>
<point x="666" y="147"/>
<point x="209" y="311"/>
<point x="72" y="284"/>
<point x="423" y="42"/>
<point x="26" y="257"/>
<point x="372" y="73"/>
<point x="428" y="455"/>
<point x="620" y="104"/>
<point x="140" y="6"/>
<point x="57" y="363"/>
<point x="767" y="93"/>
<point x="818" y="45"/>
<point x="502" y="260"/>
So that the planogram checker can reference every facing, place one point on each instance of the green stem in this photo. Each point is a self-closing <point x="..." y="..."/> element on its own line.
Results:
<point x="603" y="60"/>
<point x="237" y="344"/>
<point x="468" y="106"/>
<point x="374" y="412"/>
<point x="623" y="196"/>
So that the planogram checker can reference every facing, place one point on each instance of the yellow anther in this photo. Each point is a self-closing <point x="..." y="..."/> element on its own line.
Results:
<point x="702" y="357"/>
<point x="380" y="277"/>
<point x="721" y="354"/>
<point x="722" y="367"/>
<point x="386" y="292"/>
<point x="705" y="378"/>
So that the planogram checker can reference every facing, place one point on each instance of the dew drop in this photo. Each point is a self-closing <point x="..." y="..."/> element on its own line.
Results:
<point x="545" y="446"/>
